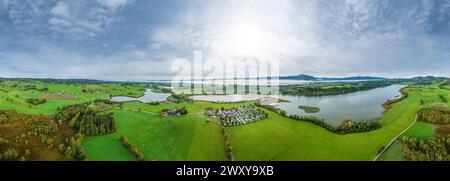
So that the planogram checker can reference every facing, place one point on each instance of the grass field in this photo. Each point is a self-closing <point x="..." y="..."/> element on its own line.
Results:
<point x="13" y="95"/>
<point x="275" y="138"/>
<point x="420" y="130"/>
<point x="295" y="140"/>
<point x="394" y="153"/>
<point x="191" y="137"/>
<point x="161" y="138"/>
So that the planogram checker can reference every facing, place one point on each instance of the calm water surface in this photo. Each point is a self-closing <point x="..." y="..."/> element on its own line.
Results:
<point x="149" y="96"/>
<point x="362" y="105"/>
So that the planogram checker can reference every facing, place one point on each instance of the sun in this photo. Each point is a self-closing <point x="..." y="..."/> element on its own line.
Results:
<point x="246" y="39"/>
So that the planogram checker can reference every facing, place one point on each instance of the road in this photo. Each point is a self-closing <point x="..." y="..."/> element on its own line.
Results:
<point x="393" y="140"/>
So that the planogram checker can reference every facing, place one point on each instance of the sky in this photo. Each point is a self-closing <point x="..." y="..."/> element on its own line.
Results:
<point x="139" y="39"/>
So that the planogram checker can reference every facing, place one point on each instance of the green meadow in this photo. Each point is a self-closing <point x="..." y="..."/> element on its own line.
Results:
<point x="193" y="137"/>
<point x="13" y="95"/>
<point x="420" y="130"/>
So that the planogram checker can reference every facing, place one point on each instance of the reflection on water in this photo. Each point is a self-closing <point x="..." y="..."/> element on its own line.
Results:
<point x="228" y="98"/>
<point x="362" y="105"/>
<point x="149" y="96"/>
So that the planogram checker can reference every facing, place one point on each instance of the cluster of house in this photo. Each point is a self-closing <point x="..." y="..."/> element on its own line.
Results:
<point x="236" y="116"/>
<point x="176" y="111"/>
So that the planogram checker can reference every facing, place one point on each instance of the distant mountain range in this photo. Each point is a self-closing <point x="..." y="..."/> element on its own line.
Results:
<point x="312" y="78"/>
<point x="305" y="77"/>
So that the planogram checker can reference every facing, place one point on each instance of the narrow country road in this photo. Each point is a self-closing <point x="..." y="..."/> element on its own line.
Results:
<point x="393" y="140"/>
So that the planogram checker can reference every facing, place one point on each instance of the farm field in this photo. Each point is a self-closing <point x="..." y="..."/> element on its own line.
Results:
<point x="420" y="130"/>
<point x="193" y="137"/>
<point x="13" y="95"/>
<point x="297" y="140"/>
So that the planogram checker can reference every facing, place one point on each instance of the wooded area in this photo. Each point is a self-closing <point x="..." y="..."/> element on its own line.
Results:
<point x="435" y="115"/>
<point x="435" y="149"/>
<point x="86" y="120"/>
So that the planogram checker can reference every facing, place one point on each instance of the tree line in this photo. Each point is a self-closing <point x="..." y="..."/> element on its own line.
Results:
<point x="133" y="149"/>
<point x="227" y="144"/>
<point x="330" y="88"/>
<point x="348" y="126"/>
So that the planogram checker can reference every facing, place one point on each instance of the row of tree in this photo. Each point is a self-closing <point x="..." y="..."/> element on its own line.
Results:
<point x="133" y="149"/>
<point x="86" y="120"/>
<point x="435" y="149"/>
<point x="348" y="126"/>
<point x="227" y="144"/>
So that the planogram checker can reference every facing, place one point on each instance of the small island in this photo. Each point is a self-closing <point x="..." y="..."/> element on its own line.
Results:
<point x="309" y="109"/>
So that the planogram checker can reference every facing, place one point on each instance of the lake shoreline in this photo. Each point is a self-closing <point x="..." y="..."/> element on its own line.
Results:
<point x="358" y="106"/>
<point x="148" y="97"/>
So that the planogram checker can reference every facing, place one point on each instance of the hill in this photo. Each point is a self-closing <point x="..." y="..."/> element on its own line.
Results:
<point x="312" y="78"/>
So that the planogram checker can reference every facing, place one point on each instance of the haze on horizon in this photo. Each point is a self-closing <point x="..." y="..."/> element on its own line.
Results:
<point x="139" y="39"/>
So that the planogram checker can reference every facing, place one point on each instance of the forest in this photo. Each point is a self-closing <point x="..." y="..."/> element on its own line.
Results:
<point x="335" y="88"/>
<point x="435" y="115"/>
<point x="330" y="88"/>
<point x="435" y="149"/>
<point x="86" y="120"/>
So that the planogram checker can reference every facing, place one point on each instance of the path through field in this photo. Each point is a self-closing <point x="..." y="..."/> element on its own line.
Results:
<point x="393" y="140"/>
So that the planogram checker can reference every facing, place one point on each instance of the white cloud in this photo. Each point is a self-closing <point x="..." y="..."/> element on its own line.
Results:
<point x="4" y="4"/>
<point x="337" y="37"/>
<point x="113" y="4"/>
<point x="61" y="9"/>
<point x="257" y="29"/>
<point x="55" y="62"/>
<point x="83" y="20"/>
<point x="59" y="22"/>
<point x="322" y="37"/>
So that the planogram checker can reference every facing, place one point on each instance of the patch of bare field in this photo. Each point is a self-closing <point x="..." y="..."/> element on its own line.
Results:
<point x="442" y="130"/>
<point x="271" y="100"/>
<point x="58" y="97"/>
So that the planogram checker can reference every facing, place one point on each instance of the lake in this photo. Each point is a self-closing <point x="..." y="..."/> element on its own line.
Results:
<point x="149" y="96"/>
<point x="362" y="105"/>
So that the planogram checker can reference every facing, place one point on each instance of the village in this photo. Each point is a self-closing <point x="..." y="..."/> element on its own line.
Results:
<point x="236" y="116"/>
